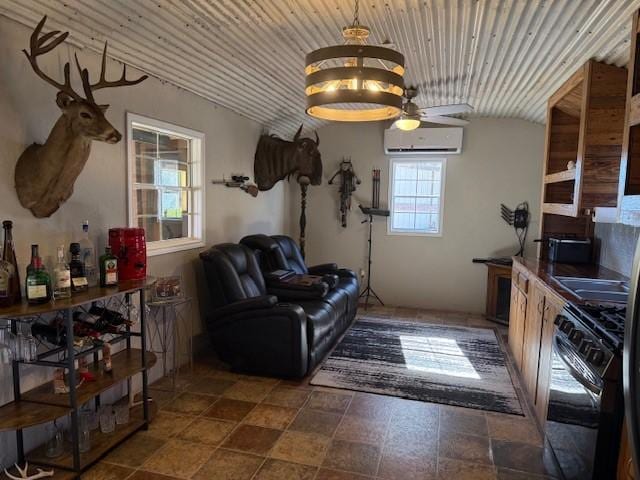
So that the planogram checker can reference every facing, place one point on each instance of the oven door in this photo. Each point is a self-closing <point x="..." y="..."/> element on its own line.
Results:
<point x="574" y="412"/>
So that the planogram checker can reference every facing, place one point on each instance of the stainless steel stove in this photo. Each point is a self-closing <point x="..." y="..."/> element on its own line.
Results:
<point x="585" y="413"/>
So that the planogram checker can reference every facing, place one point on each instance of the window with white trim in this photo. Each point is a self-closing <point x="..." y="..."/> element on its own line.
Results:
<point x="416" y="196"/>
<point x="166" y="171"/>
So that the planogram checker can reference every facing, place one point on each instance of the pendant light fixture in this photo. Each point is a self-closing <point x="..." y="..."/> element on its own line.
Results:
<point x="354" y="82"/>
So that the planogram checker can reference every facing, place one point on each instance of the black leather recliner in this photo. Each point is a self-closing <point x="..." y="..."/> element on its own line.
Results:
<point x="280" y="252"/>
<point x="248" y="328"/>
<point x="255" y="333"/>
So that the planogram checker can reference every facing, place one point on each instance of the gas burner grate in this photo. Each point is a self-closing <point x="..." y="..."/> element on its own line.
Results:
<point x="606" y="321"/>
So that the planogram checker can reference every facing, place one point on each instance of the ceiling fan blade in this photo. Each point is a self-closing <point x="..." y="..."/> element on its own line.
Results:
<point x="445" y="120"/>
<point x="448" y="109"/>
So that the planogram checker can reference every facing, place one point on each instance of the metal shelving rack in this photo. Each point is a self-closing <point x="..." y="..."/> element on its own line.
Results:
<point x="40" y="405"/>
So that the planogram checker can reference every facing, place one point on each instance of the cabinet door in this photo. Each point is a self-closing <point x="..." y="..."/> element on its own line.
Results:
<point x="513" y="318"/>
<point x="626" y="469"/>
<point x="552" y="308"/>
<point x="521" y="315"/>
<point x="533" y="332"/>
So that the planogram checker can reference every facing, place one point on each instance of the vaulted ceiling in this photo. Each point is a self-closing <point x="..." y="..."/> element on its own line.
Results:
<point x="504" y="57"/>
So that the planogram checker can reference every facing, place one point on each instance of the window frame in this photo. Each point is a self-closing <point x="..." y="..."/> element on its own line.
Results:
<point x="197" y="175"/>
<point x="413" y="159"/>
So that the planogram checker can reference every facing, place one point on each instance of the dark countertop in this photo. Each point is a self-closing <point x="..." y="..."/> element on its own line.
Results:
<point x="545" y="271"/>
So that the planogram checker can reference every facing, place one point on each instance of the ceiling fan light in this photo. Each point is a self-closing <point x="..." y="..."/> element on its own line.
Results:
<point x="407" y="123"/>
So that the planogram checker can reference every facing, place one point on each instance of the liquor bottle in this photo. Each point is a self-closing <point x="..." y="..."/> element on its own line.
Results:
<point x="79" y="281"/>
<point x="88" y="255"/>
<point x="61" y="277"/>
<point x="38" y="283"/>
<point x="108" y="269"/>
<point x="10" y="293"/>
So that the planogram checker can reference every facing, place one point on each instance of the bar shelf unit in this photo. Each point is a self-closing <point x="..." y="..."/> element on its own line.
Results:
<point x="40" y="405"/>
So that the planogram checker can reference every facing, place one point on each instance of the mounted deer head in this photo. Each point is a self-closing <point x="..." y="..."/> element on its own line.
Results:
<point x="45" y="174"/>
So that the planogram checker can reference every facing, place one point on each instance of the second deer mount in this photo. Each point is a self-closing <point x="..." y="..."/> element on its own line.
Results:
<point x="60" y="160"/>
<point x="238" y="181"/>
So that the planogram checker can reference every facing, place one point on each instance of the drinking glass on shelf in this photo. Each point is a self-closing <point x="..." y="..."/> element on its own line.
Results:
<point x="55" y="441"/>
<point x="27" y="345"/>
<point x="6" y="353"/>
<point x="84" y="434"/>
<point x="107" y="419"/>
<point x="122" y="414"/>
<point x="93" y="420"/>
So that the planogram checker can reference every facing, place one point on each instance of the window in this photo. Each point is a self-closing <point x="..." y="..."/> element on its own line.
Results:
<point x="166" y="168"/>
<point x="416" y="196"/>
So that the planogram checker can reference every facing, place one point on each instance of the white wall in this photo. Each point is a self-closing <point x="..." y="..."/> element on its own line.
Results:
<point x="28" y="111"/>
<point x="501" y="163"/>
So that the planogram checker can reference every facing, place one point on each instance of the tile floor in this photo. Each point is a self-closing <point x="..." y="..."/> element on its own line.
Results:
<point x="224" y="426"/>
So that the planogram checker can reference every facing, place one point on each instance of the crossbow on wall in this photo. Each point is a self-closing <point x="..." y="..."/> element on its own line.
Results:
<point x="348" y="182"/>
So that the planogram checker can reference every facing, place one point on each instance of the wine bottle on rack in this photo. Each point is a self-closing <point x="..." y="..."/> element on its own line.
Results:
<point x="38" y="283"/>
<point x="10" y="293"/>
<point x="79" y="282"/>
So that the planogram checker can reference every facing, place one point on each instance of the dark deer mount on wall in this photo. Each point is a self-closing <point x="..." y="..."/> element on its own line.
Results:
<point x="277" y="159"/>
<point x="45" y="174"/>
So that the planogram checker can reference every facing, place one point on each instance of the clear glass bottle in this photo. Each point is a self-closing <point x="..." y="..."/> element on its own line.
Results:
<point x="88" y="255"/>
<point x="38" y="283"/>
<point x="108" y="269"/>
<point x="6" y="352"/>
<point x="10" y="292"/>
<point x="61" y="277"/>
<point x="79" y="281"/>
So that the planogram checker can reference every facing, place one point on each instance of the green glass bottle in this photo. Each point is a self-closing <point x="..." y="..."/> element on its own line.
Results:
<point x="38" y="283"/>
<point x="108" y="269"/>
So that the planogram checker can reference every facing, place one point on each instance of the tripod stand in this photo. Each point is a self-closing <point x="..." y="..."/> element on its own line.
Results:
<point x="368" y="292"/>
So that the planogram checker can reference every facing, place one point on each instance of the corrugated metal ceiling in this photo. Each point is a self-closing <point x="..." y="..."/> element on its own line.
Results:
<point x="504" y="57"/>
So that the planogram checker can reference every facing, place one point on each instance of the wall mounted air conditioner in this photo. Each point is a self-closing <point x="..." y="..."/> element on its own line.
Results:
<point x="423" y="141"/>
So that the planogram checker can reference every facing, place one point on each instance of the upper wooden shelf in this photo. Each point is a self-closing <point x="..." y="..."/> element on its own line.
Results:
<point x="125" y="364"/>
<point x="564" y="176"/>
<point x="17" y="415"/>
<point x="91" y="295"/>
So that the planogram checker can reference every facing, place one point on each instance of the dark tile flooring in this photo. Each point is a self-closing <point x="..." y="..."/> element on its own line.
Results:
<point x="219" y="425"/>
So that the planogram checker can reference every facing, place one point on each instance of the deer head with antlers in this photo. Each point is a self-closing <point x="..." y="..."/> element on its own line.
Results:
<point x="45" y="174"/>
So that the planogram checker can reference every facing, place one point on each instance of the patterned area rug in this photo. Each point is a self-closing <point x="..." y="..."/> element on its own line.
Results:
<point x="454" y="365"/>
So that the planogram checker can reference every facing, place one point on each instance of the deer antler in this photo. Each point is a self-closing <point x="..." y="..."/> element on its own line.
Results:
<point x="89" y="88"/>
<point x="24" y="473"/>
<point x="37" y="47"/>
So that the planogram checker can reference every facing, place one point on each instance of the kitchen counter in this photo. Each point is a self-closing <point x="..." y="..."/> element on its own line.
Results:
<point x="545" y="271"/>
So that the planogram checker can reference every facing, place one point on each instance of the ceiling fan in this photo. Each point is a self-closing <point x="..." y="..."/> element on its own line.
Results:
<point x="412" y="115"/>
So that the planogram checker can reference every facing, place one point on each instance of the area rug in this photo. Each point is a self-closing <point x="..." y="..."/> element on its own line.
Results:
<point x="453" y="365"/>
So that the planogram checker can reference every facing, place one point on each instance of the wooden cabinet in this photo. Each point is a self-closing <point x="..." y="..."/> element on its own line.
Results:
<point x="553" y="305"/>
<point x="585" y="124"/>
<point x="534" y="308"/>
<point x="626" y="469"/>
<point x="532" y="336"/>
<point x="629" y="184"/>
<point x="518" y="312"/>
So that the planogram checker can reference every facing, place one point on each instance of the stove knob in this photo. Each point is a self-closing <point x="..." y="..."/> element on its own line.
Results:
<point x="585" y="346"/>
<point x="595" y="357"/>
<point x="576" y="336"/>
<point x="566" y="326"/>
<point x="560" y="319"/>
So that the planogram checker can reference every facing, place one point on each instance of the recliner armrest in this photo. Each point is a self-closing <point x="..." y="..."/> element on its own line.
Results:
<point x="284" y="292"/>
<point x="323" y="268"/>
<point x="255" y="303"/>
<point x="332" y="268"/>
